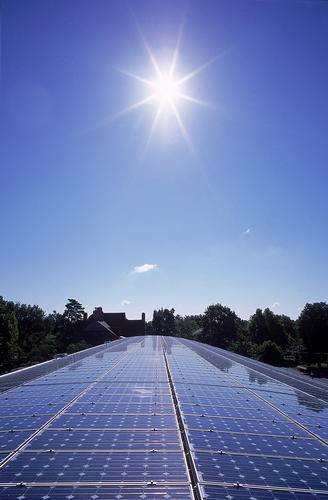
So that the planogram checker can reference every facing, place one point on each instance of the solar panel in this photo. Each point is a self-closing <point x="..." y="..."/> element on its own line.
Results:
<point x="123" y="492"/>
<point x="163" y="418"/>
<point x="230" y="492"/>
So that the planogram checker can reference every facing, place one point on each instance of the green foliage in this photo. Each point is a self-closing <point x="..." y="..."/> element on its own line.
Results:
<point x="270" y="352"/>
<point x="266" y="325"/>
<point x="257" y="328"/>
<point x="73" y="311"/>
<point x="243" y="345"/>
<point x="221" y="326"/>
<point x="78" y="346"/>
<point x="164" y="322"/>
<point x="69" y="326"/>
<point x="8" y="336"/>
<point x="36" y="339"/>
<point x="313" y="329"/>
<point x="28" y="335"/>
<point x="42" y="347"/>
<point x="185" y="327"/>
<point x="289" y="326"/>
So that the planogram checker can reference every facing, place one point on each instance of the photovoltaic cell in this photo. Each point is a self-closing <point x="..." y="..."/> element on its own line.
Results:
<point x="242" y="434"/>
<point x="115" y="421"/>
<point x="20" y="410"/>
<point x="23" y="423"/>
<point x="90" y="466"/>
<point x="106" y="440"/>
<point x="10" y="440"/>
<point x="136" y="419"/>
<point x="124" y="492"/>
<point x="258" y="444"/>
<point x="266" y="471"/>
<point x="247" y="426"/>
<point x="221" y="492"/>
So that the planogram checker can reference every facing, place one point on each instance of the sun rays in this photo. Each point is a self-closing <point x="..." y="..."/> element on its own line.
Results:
<point x="166" y="89"/>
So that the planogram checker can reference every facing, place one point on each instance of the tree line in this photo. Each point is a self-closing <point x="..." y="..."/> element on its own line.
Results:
<point x="28" y="335"/>
<point x="266" y="336"/>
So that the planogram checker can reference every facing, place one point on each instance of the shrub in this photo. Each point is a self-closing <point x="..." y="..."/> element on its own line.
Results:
<point x="270" y="352"/>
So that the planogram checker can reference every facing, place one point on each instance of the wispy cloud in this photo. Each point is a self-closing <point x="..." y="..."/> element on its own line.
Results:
<point x="125" y="302"/>
<point x="247" y="231"/>
<point x="145" y="268"/>
<point x="275" y="304"/>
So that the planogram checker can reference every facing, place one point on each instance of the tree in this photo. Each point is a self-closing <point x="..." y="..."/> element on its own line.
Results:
<point x="289" y="326"/>
<point x="78" y="346"/>
<point x="266" y="325"/>
<point x="220" y="326"/>
<point x="31" y="321"/>
<point x="41" y="347"/>
<point x="243" y="345"/>
<point x="186" y="326"/>
<point x="257" y="328"/>
<point x="313" y="328"/>
<point x="73" y="311"/>
<point x="275" y="328"/>
<point x="270" y="352"/>
<point x="163" y="322"/>
<point x="8" y="336"/>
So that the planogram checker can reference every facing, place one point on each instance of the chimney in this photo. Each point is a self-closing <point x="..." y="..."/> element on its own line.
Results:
<point x="85" y="316"/>
<point x="98" y="313"/>
<point x="143" y="317"/>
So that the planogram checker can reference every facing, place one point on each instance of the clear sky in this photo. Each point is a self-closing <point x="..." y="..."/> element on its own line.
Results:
<point x="224" y="202"/>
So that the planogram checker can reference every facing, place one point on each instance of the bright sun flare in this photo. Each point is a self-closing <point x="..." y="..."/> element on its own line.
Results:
<point x="165" y="88"/>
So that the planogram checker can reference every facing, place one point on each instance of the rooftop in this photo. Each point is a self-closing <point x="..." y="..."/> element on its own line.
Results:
<point x="163" y="417"/>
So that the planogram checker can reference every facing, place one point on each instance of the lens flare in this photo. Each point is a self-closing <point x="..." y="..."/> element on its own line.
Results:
<point x="166" y="89"/>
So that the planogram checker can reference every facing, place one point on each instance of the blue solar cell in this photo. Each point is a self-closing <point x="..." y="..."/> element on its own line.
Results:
<point x="106" y="440"/>
<point x="121" y="388"/>
<point x="58" y="399"/>
<point x="266" y="471"/>
<point x="114" y="421"/>
<point x="133" y="398"/>
<point x="23" y="423"/>
<point x="310" y="420"/>
<point x="322" y="432"/>
<point x="150" y="385"/>
<point x="49" y="391"/>
<point x="123" y="427"/>
<point x="141" y="407"/>
<point x="49" y="409"/>
<point x="218" y="492"/>
<point x="267" y="414"/>
<point x="248" y="443"/>
<point x="9" y="441"/>
<point x="91" y="466"/>
<point x="311" y="412"/>
<point x="124" y="492"/>
<point x="248" y="426"/>
<point x="213" y="401"/>
<point x="296" y="400"/>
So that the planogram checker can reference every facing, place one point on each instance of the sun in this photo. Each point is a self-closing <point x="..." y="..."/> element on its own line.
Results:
<point x="166" y="89"/>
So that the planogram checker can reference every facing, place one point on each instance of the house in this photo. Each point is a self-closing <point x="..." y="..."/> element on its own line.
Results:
<point x="111" y="326"/>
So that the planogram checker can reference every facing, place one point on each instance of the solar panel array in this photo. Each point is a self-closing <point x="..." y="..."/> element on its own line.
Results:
<point x="159" y="417"/>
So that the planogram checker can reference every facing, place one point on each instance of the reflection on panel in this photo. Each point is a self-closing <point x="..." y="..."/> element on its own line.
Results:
<point x="162" y="418"/>
<point x="108" y="419"/>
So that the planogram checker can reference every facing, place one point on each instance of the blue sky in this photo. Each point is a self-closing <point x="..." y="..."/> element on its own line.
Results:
<point x="238" y="216"/>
